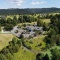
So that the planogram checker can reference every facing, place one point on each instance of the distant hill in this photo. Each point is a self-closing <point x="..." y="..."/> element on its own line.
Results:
<point x="28" y="11"/>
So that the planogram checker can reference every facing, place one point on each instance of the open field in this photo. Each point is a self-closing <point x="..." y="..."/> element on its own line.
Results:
<point x="46" y="20"/>
<point x="53" y="13"/>
<point x="4" y="39"/>
<point x="35" y="43"/>
<point x="24" y="55"/>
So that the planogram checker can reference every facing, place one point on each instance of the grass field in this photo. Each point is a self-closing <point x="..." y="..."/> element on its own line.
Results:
<point x="46" y="21"/>
<point x="36" y="41"/>
<point x="4" y="39"/>
<point x="54" y="14"/>
<point x="24" y="55"/>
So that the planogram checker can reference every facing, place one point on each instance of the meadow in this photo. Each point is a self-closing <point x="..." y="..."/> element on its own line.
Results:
<point x="47" y="21"/>
<point x="4" y="39"/>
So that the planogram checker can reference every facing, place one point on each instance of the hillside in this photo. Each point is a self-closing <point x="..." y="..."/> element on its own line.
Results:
<point x="28" y="11"/>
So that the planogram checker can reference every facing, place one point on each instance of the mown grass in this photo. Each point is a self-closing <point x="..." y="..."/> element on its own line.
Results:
<point x="4" y="39"/>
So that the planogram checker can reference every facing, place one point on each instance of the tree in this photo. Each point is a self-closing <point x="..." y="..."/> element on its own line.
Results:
<point x="39" y="23"/>
<point x="55" y="28"/>
<point x="5" y="51"/>
<point x="57" y="39"/>
<point x="14" y="20"/>
<point x="9" y="21"/>
<point x="48" y="41"/>
<point x="21" y="36"/>
<point x="14" y="40"/>
<point x="3" y="21"/>
<point x="55" y="54"/>
<point x="0" y="27"/>
<point x="39" y="56"/>
<point x="46" y="57"/>
<point x="15" y="48"/>
<point x="2" y="57"/>
<point x="53" y="19"/>
<point x="45" y="27"/>
<point x="19" y="19"/>
<point x="52" y="32"/>
<point x="8" y="27"/>
<point x="19" y="42"/>
<point x="9" y="56"/>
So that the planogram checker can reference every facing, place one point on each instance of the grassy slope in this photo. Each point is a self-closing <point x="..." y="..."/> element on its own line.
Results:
<point x="36" y="41"/>
<point x="4" y="39"/>
<point x="24" y="55"/>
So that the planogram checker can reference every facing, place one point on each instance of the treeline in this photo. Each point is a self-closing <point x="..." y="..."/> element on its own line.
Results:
<point x="13" y="47"/>
<point x="9" y="23"/>
<point x="28" y="11"/>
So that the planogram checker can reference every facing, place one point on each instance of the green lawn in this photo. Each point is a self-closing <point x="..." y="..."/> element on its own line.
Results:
<point x="35" y="42"/>
<point x="4" y="39"/>
<point x="24" y="55"/>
